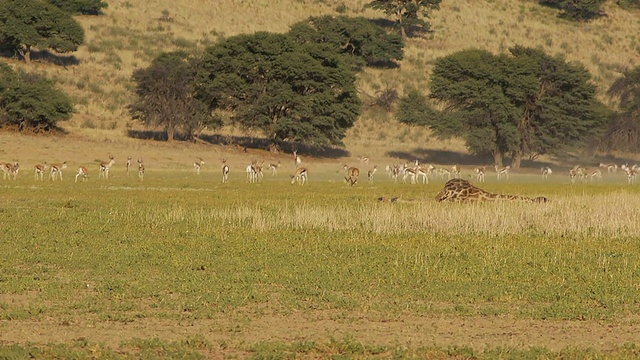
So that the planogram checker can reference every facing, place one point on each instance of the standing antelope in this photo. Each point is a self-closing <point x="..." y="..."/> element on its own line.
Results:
<point x="140" y="170"/>
<point x="502" y="171"/>
<point x="225" y="171"/>
<point x="13" y="169"/>
<point x="546" y="171"/>
<point x="82" y="171"/>
<point x="39" y="171"/>
<point x="128" y="165"/>
<point x="300" y="176"/>
<point x="5" y="170"/>
<point x="455" y="171"/>
<point x="56" y="171"/>
<point x="296" y="158"/>
<point x="352" y="174"/>
<point x="197" y="165"/>
<point x="372" y="172"/>
<point x="104" y="167"/>
<point x="479" y="171"/>
<point x="274" y="168"/>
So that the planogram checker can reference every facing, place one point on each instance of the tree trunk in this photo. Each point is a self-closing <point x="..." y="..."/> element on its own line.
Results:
<point x="170" y="134"/>
<point x="497" y="158"/>
<point x="516" y="160"/>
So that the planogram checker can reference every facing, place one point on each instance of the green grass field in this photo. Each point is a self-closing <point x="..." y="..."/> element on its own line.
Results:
<point x="182" y="247"/>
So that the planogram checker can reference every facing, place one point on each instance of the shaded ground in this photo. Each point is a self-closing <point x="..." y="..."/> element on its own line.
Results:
<point x="411" y="331"/>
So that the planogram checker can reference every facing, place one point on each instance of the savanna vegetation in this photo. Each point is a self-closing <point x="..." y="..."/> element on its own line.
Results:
<point x="180" y="265"/>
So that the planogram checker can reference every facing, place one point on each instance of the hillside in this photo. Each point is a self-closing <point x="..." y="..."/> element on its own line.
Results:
<point x="132" y="32"/>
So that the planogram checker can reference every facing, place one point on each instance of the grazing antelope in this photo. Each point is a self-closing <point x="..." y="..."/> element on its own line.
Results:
<point x="352" y="174"/>
<point x="39" y="171"/>
<point x="364" y="159"/>
<point x="82" y="171"/>
<point x="300" y="176"/>
<point x="274" y="168"/>
<point x="12" y="170"/>
<point x="140" y="170"/>
<point x="55" y="171"/>
<point x="104" y="167"/>
<point x="372" y="172"/>
<point x="197" y="165"/>
<point x="225" y="171"/>
<point x="611" y="167"/>
<point x="502" y="171"/>
<point x="546" y="171"/>
<point x="597" y="174"/>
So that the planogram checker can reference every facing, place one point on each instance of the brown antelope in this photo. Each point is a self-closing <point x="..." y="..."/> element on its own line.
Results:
<point x="83" y="172"/>
<point x="352" y="174"/>
<point x="372" y="172"/>
<point x="197" y="165"/>
<point x="140" y="170"/>
<point x="55" y="171"/>
<point x="300" y="176"/>
<point x="39" y="171"/>
<point x="225" y="171"/>
<point x="104" y="167"/>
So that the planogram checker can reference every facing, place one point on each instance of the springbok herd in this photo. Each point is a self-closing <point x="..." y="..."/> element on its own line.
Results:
<point x="414" y="173"/>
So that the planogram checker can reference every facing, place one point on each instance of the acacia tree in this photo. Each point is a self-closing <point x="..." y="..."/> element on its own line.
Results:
<point x="407" y="13"/>
<point x="165" y="96"/>
<point x="578" y="10"/>
<point x="289" y="91"/>
<point x="30" y="101"/>
<point x="624" y="131"/>
<point x="526" y="103"/>
<point x="360" y="41"/>
<point x="26" y="24"/>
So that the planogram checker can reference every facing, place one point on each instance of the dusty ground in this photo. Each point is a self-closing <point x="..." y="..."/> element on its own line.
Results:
<point x="477" y="332"/>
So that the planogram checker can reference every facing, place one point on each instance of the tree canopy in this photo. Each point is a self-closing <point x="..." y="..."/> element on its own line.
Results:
<point x="624" y="132"/>
<point x="407" y="14"/>
<point x="86" y="7"/>
<point x="360" y="41"/>
<point x="578" y="10"/>
<point x="26" y="24"/>
<point x="289" y="91"/>
<point x="30" y="101"/>
<point x="165" y="96"/>
<point x="523" y="104"/>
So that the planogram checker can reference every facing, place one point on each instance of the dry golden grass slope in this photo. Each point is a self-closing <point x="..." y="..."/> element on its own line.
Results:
<point x="130" y="34"/>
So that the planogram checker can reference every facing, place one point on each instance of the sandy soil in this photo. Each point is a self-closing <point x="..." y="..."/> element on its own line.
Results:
<point x="411" y="331"/>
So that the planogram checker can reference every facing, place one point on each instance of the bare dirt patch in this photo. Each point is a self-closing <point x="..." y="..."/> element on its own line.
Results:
<point x="478" y="333"/>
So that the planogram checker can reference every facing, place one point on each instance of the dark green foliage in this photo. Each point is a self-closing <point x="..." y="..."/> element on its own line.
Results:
<point x="525" y="104"/>
<point x="578" y="10"/>
<point x="26" y="24"/>
<point x="289" y="91"/>
<point x="360" y="41"/>
<point x="415" y="109"/>
<point x="30" y="101"/>
<point x="86" y="7"/>
<point x="407" y="14"/>
<point x="623" y="133"/>
<point x="165" y="96"/>
<point x="629" y="3"/>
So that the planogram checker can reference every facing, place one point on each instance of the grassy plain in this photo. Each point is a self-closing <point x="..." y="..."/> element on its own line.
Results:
<point x="183" y="266"/>
<point x="178" y="251"/>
